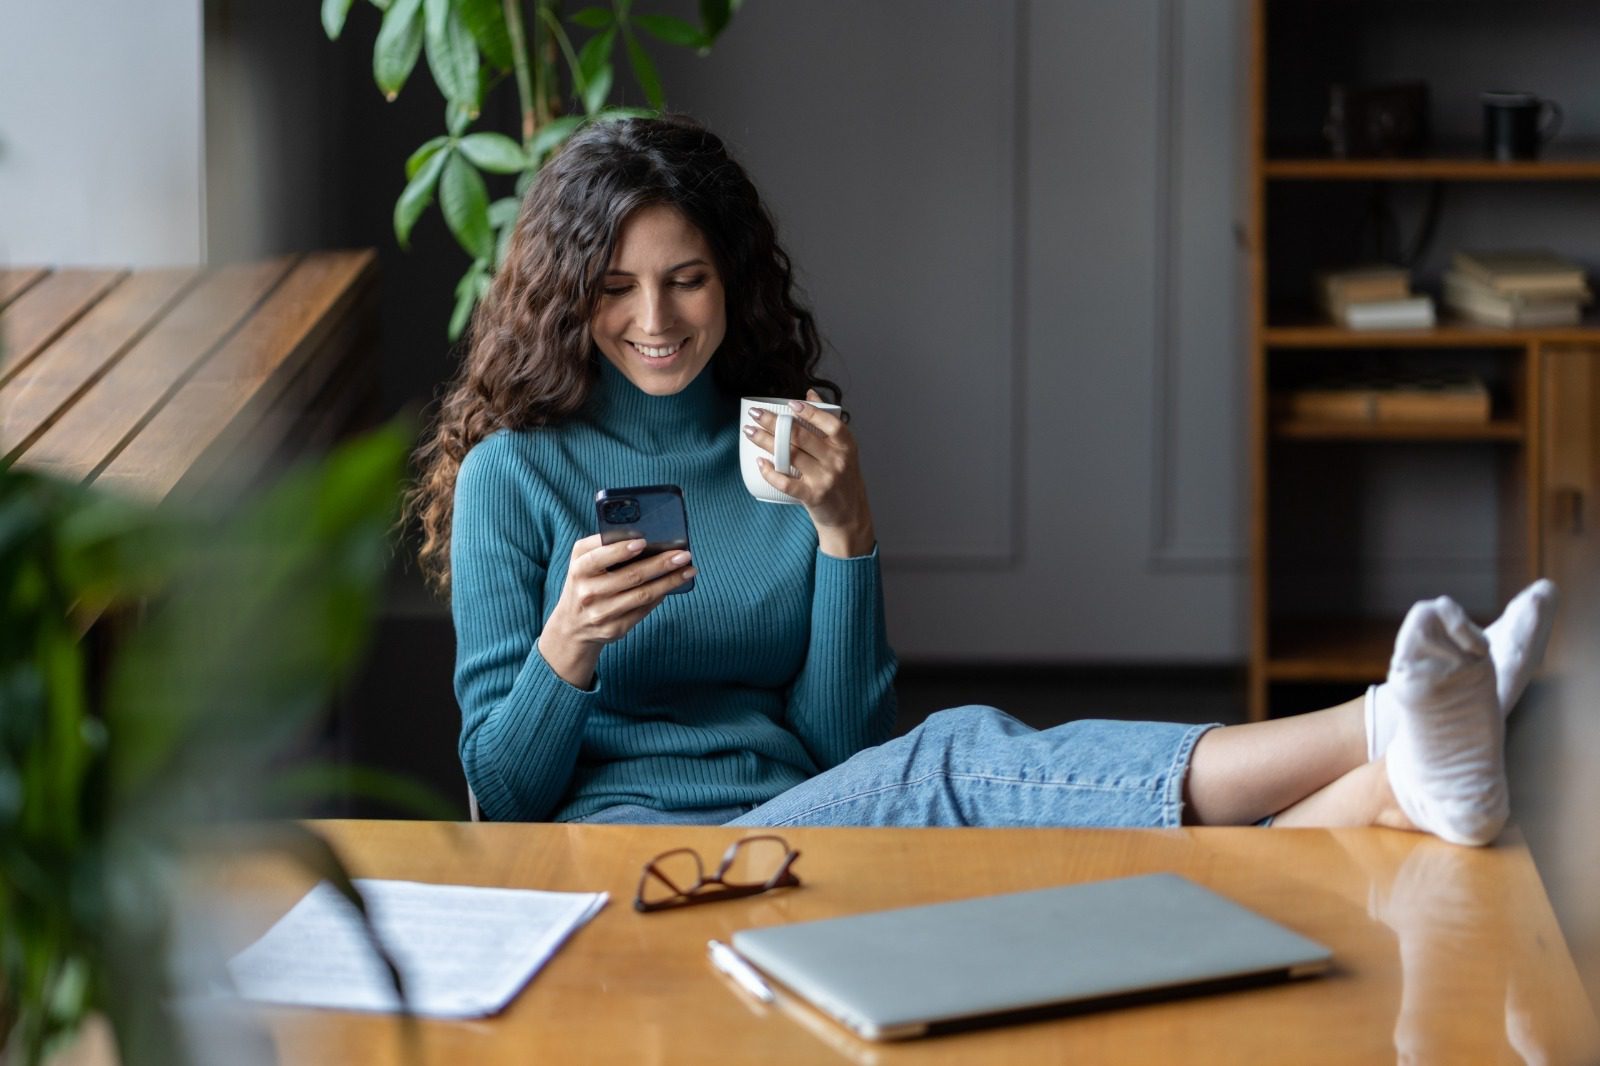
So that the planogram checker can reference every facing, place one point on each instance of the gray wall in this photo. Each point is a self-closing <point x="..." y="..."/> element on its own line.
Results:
<point x="100" y="132"/>
<point x="1015" y="221"/>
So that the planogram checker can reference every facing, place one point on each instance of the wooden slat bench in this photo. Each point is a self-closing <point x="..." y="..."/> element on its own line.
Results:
<point x="164" y="383"/>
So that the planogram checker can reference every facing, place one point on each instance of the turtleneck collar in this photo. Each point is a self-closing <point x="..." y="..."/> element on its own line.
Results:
<point x="695" y="415"/>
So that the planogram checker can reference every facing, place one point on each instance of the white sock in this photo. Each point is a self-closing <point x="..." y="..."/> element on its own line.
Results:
<point x="1517" y="640"/>
<point x="1446" y="763"/>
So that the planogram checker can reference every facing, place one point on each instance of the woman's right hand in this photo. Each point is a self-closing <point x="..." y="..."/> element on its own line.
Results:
<point x="599" y="606"/>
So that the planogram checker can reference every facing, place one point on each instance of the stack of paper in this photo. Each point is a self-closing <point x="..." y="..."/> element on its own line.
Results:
<point x="463" y="952"/>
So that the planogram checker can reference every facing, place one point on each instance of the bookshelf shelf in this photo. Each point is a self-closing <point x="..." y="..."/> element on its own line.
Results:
<point x="1580" y="164"/>
<point x="1308" y="331"/>
<point x="1504" y="430"/>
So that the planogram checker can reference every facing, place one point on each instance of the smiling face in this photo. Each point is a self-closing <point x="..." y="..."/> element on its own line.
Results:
<point x="662" y="312"/>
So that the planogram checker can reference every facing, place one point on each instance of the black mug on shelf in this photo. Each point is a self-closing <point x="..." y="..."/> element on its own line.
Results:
<point x="1516" y="125"/>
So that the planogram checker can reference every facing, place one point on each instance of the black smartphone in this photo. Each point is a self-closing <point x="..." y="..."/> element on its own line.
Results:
<point x="652" y="513"/>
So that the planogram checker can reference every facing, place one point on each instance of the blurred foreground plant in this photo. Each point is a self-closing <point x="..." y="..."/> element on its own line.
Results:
<point x="472" y="47"/>
<point x="229" y="635"/>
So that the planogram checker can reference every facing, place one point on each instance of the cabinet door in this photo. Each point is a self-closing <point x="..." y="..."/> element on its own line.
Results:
<point x="1570" y="496"/>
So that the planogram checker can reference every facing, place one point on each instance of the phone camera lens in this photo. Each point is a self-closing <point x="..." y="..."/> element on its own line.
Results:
<point x="620" y="512"/>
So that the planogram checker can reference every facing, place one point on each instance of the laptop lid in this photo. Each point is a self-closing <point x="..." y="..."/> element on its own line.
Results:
<point x="906" y="972"/>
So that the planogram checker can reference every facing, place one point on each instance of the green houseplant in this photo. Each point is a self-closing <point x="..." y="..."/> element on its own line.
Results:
<point x="229" y="632"/>
<point x="472" y="49"/>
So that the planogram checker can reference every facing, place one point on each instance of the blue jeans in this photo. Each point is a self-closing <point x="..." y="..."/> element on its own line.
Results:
<point x="976" y="766"/>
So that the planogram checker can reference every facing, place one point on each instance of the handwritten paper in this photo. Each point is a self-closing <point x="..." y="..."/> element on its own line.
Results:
<point x="464" y="952"/>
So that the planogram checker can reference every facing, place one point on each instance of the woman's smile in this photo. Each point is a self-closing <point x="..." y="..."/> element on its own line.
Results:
<point x="662" y="311"/>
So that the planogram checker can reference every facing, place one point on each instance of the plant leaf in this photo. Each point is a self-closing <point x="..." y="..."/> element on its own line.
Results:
<point x="596" y="53"/>
<point x="334" y="12"/>
<point x="434" y="13"/>
<point x="502" y="243"/>
<point x="423" y="154"/>
<point x="465" y="203"/>
<point x="644" y="71"/>
<point x="494" y="152"/>
<point x="468" y="291"/>
<point x="599" y="87"/>
<point x="398" y="46"/>
<point x="551" y="134"/>
<point x="503" y="212"/>
<point x="486" y="21"/>
<point x="417" y="196"/>
<point x="714" y="16"/>
<point x="672" y="30"/>
<point x="452" y="54"/>
<point x="457" y="117"/>
<point x="593" y="18"/>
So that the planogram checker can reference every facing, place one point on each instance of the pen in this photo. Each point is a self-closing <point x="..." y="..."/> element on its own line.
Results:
<point x="726" y="960"/>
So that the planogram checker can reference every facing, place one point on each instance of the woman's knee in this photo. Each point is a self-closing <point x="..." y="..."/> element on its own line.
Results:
<point x="969" y="720"/>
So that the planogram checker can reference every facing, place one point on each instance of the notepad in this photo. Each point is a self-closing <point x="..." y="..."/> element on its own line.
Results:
<point x="464" y="952"/>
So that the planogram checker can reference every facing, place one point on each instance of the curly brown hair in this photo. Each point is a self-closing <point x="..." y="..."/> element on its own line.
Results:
<point x="531" y="360"/>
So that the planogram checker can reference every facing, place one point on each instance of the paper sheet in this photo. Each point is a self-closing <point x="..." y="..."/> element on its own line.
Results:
<point x="464" y="952"/>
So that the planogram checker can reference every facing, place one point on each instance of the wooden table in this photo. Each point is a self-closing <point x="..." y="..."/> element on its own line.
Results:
<point x="162" y="382"/>
<point x="1442" y="954"/>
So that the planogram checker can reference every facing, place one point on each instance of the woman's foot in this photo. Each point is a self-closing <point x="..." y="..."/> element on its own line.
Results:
<point x="1446" y="763"/>
<point x="1517" y="641"/>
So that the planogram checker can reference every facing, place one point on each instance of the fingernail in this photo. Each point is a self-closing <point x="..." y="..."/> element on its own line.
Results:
<point x="680" y="558"/>
<point x="796" y="406"/>
<point x="689" y="573"/>
<point x="635" y="545"/>
<point x="757" y="412"/>
<point x="749" y="431"/>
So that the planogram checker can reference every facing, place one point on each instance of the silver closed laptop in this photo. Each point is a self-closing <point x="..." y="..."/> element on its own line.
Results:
<point x="900" y="973"/>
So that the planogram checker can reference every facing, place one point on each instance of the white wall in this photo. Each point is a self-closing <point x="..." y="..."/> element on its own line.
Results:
<point x="100" y="132"/>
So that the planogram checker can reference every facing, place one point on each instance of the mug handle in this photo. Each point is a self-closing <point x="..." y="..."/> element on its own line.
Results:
<point x="780" y="441"/>
<point x="1551" y="123"/>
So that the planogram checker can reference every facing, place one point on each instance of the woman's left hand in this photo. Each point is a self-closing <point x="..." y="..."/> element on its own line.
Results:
<point x="825" y="476"/>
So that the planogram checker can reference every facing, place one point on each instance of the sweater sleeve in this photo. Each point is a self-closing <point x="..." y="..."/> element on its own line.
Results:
<point x="521" y="723"/>
<point x="843" y="700"/>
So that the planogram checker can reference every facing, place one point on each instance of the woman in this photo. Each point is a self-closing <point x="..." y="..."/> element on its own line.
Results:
<point x="643" y="292"/>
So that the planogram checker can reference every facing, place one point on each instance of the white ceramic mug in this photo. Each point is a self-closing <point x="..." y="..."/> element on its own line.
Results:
<point x="782" y="431"/>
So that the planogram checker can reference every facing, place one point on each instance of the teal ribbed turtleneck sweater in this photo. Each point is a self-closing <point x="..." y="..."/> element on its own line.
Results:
<point x="774" y="667"/>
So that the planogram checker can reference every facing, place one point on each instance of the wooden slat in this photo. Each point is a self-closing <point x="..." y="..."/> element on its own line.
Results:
<point x="235" y="388"/>
<point x="46" y="310"/>
<point x="333" y="393"/>
<point x="93" y="430"/>
<point x="30" y="402"/>
<point x="18" y="280"/>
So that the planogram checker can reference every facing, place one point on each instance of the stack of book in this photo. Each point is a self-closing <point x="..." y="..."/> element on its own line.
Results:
<point x="1373" y="297"/>
<point x="1524" y="289"/>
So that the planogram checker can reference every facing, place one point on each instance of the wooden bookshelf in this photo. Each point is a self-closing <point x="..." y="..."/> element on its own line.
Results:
<point x="1534" y="471"/>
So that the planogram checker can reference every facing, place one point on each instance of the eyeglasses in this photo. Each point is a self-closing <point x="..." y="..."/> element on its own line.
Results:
<point x="749" y="867"/>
